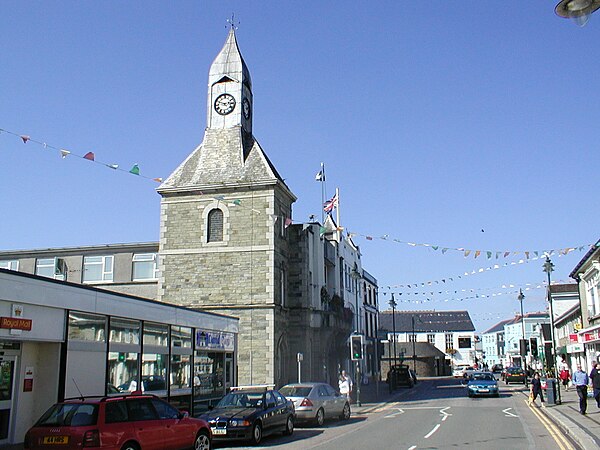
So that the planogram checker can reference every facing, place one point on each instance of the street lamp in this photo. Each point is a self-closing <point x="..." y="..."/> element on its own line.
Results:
<point x="549" y="268"/>
<point x="523" y="345"/>
<point x="356" y="276"/>
<point x="414" y="339"/>
<point x="578" y="10"/>
<point x="393" y="306"/>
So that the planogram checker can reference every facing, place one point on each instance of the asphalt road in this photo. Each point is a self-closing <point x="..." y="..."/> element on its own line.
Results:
<point x="435" y="414"/>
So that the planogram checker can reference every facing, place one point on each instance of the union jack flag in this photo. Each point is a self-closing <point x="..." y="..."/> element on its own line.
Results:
<point x="330" y="204"/>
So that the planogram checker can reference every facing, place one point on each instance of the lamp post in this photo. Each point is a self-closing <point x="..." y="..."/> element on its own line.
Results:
<point x="521" y="297"/>
<point x="549" y="268"/>
<point x="393" y="305"/>
<point x="414" y="338"/>
<point x="356" y="276"/>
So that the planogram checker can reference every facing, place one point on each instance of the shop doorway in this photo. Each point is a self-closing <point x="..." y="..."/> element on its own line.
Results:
<point x="7" y="391"/>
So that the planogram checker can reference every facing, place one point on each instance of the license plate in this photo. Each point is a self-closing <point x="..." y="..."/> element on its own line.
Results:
<point x="484" y="390"/>
<point x="55" y="440"/>
<point x="218" y="430"/>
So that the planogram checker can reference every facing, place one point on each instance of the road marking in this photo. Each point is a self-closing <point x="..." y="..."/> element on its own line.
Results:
<point x="508" y="414"/>
<point x="552" y="429"/>
<point x="428" y="435"/>
<point x="412" y="448"/>
<point x="397" y="413"/>
<point x="444" y="414"/>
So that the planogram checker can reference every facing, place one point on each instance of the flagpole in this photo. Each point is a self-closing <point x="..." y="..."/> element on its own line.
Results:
<point x="323" y="179"/>
<point x="337" y="213"/>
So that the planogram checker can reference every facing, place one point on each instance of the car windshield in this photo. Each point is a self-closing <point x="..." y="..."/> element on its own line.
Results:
<point x="514" y="371"/>
<point x="241" y="399"/>
<point x="295" y="391"/>
<point x="70" y="414"/>
<point x="482" y="376"/>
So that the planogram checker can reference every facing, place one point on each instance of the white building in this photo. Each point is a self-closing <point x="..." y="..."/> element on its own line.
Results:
<point x="60" y="340"/>
<point x="492" y="341"/>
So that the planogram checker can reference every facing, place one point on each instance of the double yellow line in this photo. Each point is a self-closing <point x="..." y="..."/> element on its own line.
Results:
<point x="552" y="429"/>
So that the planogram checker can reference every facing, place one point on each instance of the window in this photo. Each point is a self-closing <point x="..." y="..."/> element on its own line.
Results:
<point x="51" y="268"/>
<point x="412" y="338"/>
<point x="449" y="341"/>
<point x="10" y="265"/>
<point x="145" y="266"/>
<point x="464" y="342"/>
<point x="164" y="410"/>
<point x="431" y="339"/>
<point x="86" y="327"/>
<point x="115" y="412"/>
<point x="97" y="269"/>
<point x="141" y="409"/>
<point x="215" y="226"/>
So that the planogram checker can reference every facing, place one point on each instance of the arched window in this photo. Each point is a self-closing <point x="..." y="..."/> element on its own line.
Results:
<point x="215" y="226"/>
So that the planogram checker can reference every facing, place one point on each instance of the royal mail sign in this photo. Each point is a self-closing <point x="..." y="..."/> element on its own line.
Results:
<point x="14" y="323"/>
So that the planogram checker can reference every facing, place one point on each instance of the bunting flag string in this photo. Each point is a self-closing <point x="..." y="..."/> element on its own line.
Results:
<point x="429" y="298"/>
<point x="89" y="156"/>
<point x="489" y="254"/>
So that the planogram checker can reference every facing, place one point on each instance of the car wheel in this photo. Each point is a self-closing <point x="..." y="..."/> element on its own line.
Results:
<point x="130" y="446"/>
<point x="320" y="417"/>
<point x="202" y="441"/>
<point x="256" y="433"/>
<point x="345" y="412"/>
<point x="289" y="426"/>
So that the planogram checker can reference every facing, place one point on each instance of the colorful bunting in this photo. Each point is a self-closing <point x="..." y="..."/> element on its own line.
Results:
<point x="90" y="156"/>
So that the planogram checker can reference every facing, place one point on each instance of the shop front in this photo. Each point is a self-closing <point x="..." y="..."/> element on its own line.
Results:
<point x="590" y="338"/>
<point x="61" y="340"/>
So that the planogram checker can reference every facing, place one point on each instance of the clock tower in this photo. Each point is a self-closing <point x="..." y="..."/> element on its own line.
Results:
<point x="223" y="231"/>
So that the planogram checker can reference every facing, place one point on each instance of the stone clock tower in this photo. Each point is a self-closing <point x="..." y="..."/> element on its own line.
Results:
<point x="223" y="244"/>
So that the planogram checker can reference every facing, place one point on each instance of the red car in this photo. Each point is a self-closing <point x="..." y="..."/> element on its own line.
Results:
<point x="125" y="422"/>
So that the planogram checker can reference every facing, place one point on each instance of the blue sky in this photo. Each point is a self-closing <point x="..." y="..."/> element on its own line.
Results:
<point x="434" y="124"/>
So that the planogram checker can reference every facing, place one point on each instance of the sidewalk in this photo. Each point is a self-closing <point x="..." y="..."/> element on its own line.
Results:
<point x="584" y="429"/>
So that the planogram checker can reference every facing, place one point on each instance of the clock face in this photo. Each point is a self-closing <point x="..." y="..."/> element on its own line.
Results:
<point x="246" y="108"/>
<point x="224" y="104"/>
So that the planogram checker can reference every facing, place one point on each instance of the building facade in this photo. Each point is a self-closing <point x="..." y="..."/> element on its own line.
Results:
<point x="61" y="340"/>
<point x="587" y="275"/>
<point x="450" y="332"/>
<point x="492" y="342"/>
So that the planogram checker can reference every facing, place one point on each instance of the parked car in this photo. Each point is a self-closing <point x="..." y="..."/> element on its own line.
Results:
<point x="459" y="371"/>
<point x="515" y="375"/>
<point x="399" y="375"/>
<point x="482" y="383"/>
<point x="106" y="423"/>
<point x="316" y="402"/>
<point x="497" y="370"/>
<point x="249" y="413"/>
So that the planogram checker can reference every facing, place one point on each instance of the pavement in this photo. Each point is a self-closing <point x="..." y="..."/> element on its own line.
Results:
<point x="583" y="429"/>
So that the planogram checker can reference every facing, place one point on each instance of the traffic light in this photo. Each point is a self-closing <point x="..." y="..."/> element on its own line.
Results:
<point x="356" y="347"/>
<point x="534" y="347"/>
<point x="524" y="346"/>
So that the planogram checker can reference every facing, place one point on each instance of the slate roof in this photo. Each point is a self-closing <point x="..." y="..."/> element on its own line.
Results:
<point x="434" y="321"/>
<point x="498" y="327"/>
<point x="564" y="288"/>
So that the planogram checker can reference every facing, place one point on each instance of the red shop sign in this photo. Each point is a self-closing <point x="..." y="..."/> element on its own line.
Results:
<point x="587" y="337"/>
<point x="15" y="324"/>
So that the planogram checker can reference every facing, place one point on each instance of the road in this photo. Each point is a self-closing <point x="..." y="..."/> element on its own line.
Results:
<point x="435" y="414"/>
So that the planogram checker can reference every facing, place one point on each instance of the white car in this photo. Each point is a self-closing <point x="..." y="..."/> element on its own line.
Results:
<point x="459" y="371"/>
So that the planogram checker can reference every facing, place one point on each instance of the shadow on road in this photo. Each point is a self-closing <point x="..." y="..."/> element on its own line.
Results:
<point x="274" y="440"/>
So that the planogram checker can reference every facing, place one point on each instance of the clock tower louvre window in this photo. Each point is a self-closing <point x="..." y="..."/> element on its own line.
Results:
<point x="215" y="226"/>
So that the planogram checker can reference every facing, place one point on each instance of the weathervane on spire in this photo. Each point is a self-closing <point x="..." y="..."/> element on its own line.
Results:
<point x="231" y="22"/>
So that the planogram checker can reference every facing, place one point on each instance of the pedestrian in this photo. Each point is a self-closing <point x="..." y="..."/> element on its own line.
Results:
<point x="581" y="381"/>
<point x="595" y="377"/>
<point x="564" y="377"/>
<point x="345" y="384"/>
<point x="536" y="390"/>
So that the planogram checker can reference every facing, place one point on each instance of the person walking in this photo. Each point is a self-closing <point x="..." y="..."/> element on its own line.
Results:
<point x="565" y="376"/>
<point x="345" y="384"/>
<point x="595" y="377"/>
<point x="581" y="381"/>
<point x="536" y="390"/>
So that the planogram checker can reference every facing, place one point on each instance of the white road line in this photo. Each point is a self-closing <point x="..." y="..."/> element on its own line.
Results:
<point x="428" y="435"/>
<point x="412" y="448"/>
<point x="508" y="414"/>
